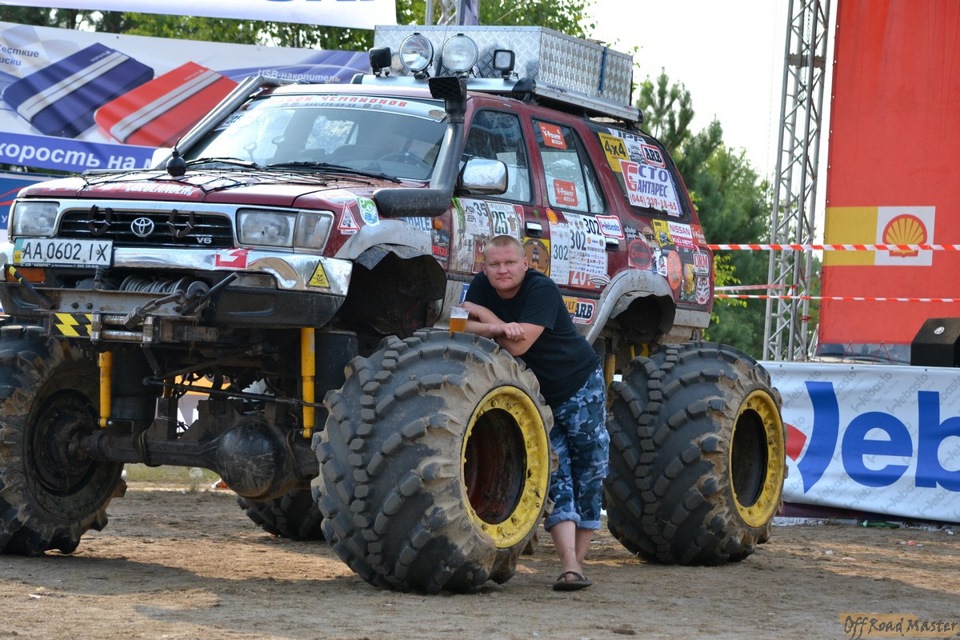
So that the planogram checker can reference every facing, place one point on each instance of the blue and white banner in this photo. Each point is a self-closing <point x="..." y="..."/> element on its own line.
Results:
<point x="76" y="100"/>
<point x="873" y="438"/>
<point x="356" y="14"/>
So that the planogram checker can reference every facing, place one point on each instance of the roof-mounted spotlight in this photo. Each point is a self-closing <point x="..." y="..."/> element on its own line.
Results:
<point x="380" y="59"/>
<point x="503" y="61"/>
<point x="460" y="54"/>
<point x="416" y="53"/>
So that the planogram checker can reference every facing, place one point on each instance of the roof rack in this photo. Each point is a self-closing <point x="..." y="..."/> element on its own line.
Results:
<point x="550" y="66"/>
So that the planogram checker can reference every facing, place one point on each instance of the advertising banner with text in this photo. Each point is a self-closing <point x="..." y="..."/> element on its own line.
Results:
<point x="875" y="438"/>
<point x="357" y="14"/>
<point x="891" y="177"/>
<point x="75" y="100"/>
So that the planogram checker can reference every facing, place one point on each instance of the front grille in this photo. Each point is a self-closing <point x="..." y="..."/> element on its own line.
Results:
<point x="175" y="229"/>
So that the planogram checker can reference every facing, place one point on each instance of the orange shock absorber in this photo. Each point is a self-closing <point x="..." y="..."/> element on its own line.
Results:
<point x="105" y="360"/>
<point x="308" y="369"/>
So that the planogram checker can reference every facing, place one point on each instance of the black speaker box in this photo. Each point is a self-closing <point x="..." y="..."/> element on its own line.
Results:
<point x="937" y="344"/>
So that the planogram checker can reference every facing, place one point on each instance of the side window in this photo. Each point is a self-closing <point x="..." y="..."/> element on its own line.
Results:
<point x="496" y="135"/>
<point x="642" y="170"/>
<point x="570" y="178"/>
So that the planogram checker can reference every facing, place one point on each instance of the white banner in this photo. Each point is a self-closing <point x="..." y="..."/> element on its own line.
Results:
<point x="873" y="438"/>
<point x="75" y="100"/>
<point x="357" y="14"/>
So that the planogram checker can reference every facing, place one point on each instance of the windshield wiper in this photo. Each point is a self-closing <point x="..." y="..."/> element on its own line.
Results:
<point x="332" y="168"/>
<point x="247" y="164"/>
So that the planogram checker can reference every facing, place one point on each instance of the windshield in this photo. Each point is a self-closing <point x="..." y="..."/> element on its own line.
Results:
<point x="396" y="137"/>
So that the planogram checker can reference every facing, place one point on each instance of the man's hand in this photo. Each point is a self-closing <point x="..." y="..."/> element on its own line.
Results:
<point x="511" y="331"/>
<point x="515" y="337"/>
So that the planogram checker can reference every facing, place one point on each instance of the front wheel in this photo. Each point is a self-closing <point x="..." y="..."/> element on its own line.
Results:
<point x="697" y="455"/>
<point x="434" y="463"/>
<point x="50" y="495"/>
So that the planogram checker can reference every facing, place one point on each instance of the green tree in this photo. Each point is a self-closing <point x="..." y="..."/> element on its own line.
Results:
<point x="732" y="201"/>
<point x="566" y="16"/>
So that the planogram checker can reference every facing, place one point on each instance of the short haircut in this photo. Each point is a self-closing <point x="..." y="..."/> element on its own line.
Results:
<point x="503" y="240"/>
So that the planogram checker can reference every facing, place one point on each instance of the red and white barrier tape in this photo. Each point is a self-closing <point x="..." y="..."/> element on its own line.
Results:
<point x="831" y="298"/>
<point x="834" y="247"/>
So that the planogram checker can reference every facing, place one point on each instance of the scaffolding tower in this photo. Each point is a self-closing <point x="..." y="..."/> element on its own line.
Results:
<point x="788" y="334"/>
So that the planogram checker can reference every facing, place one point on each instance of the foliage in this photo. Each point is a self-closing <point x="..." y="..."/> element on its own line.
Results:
<point x="566" y="17"/>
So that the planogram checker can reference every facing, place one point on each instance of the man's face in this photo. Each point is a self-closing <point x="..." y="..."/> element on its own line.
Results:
<point x="505" y="267"/>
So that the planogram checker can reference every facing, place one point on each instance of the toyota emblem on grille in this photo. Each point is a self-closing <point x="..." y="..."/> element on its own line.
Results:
<point x="142" y="227"/>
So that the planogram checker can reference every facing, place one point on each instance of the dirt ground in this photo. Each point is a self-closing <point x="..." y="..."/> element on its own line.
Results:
<point x="175" y="563"/>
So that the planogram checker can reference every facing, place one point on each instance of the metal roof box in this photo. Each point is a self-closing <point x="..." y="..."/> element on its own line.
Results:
<point x="546" y="56"/>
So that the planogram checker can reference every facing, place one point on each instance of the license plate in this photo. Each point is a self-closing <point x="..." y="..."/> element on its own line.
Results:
<point x="56" y="252"/>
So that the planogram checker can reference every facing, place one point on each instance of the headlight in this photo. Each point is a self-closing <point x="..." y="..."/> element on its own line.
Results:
<point x="416" y="52"/>
<point x="268" y="228"/>
<point x="308" y="230"/>
<point x="30" y="218"/>
<point x="313" y="229"/>
<point x="460" y="53"/>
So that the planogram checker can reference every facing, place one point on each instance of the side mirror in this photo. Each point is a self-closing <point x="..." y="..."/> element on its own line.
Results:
<point x="482" y="176"/>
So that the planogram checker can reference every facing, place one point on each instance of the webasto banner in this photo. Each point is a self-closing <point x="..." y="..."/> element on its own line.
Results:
<point x="75" y="100"/>
<point x="357" y="14"/>
<point x="874" y="438"/>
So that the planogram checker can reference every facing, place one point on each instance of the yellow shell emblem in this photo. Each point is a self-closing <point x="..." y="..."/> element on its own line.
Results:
<point x="905" y="229"/>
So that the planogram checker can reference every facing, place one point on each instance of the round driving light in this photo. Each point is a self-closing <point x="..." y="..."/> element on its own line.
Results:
<point x="416" y="52"/>
<point x="460" y="53"/>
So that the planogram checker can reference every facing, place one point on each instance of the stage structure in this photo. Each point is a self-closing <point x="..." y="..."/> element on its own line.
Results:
<point x="787" y="334"/>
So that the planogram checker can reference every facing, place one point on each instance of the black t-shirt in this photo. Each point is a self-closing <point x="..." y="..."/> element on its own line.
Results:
<point x="561" y="358"/>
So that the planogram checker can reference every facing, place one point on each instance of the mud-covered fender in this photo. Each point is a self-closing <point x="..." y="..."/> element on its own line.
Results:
<point x="403" y="239"/>
<point x="623" y="289"/>
<point x="373" y="243"/>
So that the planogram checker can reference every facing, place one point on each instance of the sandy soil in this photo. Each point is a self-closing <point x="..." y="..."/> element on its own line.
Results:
<point x="179" y="564"/>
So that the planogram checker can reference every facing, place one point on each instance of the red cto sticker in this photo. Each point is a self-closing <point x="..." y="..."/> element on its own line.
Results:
<point x="552" y="135"/>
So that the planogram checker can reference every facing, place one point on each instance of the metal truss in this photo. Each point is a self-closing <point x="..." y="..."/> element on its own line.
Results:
<point x="787" y="331"/>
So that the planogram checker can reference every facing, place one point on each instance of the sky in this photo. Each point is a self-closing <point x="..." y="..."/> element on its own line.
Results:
<point x="727" y="53"/>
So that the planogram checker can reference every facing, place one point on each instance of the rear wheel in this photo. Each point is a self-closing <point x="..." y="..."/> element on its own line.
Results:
<point x="434" y="463"/>
<point x="697" y="455"/>
<point x="50" y="494"/>
<point x="294" y="515"/>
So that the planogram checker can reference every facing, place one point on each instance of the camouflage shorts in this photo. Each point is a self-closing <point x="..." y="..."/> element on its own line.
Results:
<point x="581" y="442"/>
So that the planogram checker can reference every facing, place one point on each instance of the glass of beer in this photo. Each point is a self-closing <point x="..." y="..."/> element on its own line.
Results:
<point x="458" y="319"/>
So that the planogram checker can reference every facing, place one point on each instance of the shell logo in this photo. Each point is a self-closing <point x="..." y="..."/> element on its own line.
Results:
<point x="905" y="229"/>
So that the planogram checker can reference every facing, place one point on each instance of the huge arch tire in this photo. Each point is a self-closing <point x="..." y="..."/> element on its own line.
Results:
<point x="49" y="495"/>
<point x="697" y="456"/>
<point x="294" y="515"/>
<point x="434" y="463"/>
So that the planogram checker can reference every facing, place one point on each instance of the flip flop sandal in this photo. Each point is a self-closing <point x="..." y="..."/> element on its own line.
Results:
<point x="578" y="582"/>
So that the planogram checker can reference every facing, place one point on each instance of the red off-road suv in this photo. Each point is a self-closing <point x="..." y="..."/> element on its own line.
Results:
<point x="292" y="263"/>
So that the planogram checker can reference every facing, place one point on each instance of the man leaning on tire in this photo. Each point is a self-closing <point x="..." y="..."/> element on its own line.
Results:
<point x="523" y="311"/>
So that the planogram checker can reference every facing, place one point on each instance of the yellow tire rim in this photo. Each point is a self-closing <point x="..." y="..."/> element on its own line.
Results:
<point x="505" y="466"/>
<point x="756" y="462"/>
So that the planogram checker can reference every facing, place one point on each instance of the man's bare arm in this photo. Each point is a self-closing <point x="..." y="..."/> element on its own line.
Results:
<point x="515" y="337"/>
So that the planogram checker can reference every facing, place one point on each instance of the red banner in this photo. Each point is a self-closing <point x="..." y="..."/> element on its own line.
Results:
<point x="893" y="169"/>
